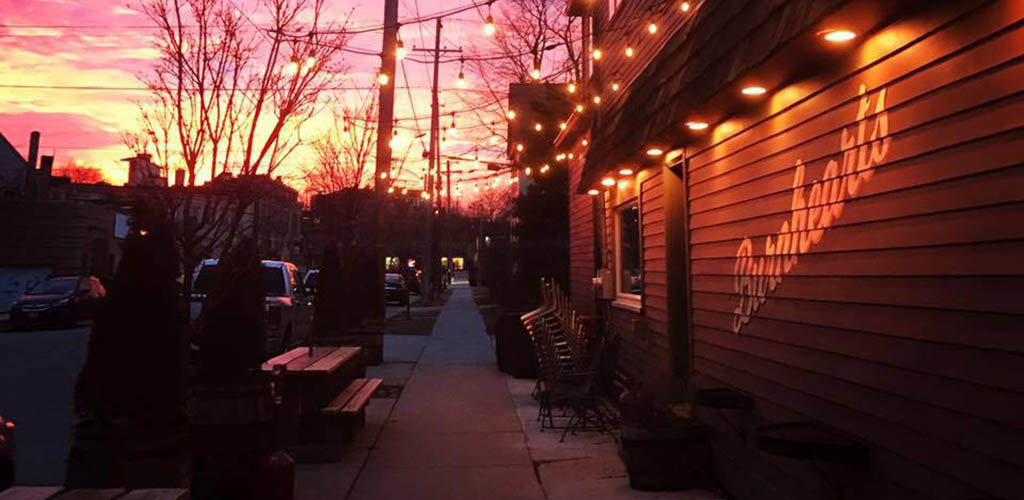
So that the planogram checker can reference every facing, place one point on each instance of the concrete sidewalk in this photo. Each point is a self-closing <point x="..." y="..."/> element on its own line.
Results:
<point x="454" y="432"/>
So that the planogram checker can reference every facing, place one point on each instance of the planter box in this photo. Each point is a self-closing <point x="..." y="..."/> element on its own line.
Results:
<point x="667" y="459"/>
<point x="369" y="336"/>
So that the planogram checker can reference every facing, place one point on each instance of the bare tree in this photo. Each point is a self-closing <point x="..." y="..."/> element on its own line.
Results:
<point x="80" y="174"/>
<point x="492" y="203"/>
<point x="345" y="154"/>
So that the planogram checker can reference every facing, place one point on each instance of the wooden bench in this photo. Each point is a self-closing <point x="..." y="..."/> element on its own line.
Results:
<point x="60" y="493"/>
<point x="348" y="409"/>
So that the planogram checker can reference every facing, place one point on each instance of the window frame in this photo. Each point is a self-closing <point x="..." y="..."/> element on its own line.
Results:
<point x="625" y="300"/>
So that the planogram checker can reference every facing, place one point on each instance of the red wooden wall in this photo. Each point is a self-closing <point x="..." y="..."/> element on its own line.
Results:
<point x="893" y="307"/>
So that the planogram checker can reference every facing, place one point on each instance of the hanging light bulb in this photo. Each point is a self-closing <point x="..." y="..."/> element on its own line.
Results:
<point x="535" y="72"/>
<point x="528" y="171"/>
<point x="461" y="81"/>
<point x="597" y="99"/>
<point x="615" y="87"/>
<point x="685" y="7"/>
<point x="495" y="139"/>
<point x="291" y="68"/>
<point x="652" y="28"/>
<point x="571" y="88"/>
<point x="400" y="50"/>
<point x="511" y="114"/>
<point x="310" y="62"/>
<point x="629" y="52"/>
<point x="585" y="142"/>
<point x="545" y="168"/>
<point x="383" y="78"/>
<point x="519" y="147"/>
<point x="579" y="108"/>
<point x="537" y="127"/>
<point x="391" y="189"/>
<point x="383" y="175"/>
<point x="563" y="125"/>
<point x="489" y="27"/>
<point x="597" y="54"/>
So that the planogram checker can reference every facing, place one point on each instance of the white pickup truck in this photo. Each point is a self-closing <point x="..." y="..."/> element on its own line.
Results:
<point x="288" y="307"/>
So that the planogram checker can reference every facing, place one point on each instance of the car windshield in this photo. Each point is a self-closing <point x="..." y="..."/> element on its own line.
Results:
<point x="393" y="279"/>
<point x="55" y="286"/>
<point x="273" y="280"/>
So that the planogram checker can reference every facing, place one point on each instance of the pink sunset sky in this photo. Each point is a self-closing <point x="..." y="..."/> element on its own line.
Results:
<point x="87" y="44"/>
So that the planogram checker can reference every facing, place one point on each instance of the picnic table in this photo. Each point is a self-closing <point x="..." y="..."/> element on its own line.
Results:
<point x="307" y="380"/>
<point x="61" y="493"/>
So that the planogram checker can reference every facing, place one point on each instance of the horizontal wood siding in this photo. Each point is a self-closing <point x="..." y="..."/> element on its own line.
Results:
<point x="581" y="244"/>
<point x="903" y="324"/>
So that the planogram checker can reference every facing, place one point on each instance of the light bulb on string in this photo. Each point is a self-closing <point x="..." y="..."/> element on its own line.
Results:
<point x="615" y="86"/>
<point x="461" y="81"/>
<point x="579" y="108"/>
<point x="383" y="78"/>
<point x="597" y="54"/>
<point x="489" y="27"/>
<point x="292" y="68"/>
<point x="629" y="52"/>
<point x="400" y="50"/>
<point x="652" y="28"/>
<point x="511" y="115"/>
<point x="310" y="62"/>
<point x="537" y="127"/>
<point x="571" y="88"/>
<point x="685" y="7"/>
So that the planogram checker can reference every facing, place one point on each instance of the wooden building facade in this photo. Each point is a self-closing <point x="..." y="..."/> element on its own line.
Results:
<point x="829" y="226"/>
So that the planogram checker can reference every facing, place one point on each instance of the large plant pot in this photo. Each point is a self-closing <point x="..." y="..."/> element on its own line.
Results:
<point x="232" y="436"/>
<point x="669" y="459"/>
<point x="122" y="453"/>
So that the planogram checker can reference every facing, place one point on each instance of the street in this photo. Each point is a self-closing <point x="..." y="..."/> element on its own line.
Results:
<point x="37" y="379"/>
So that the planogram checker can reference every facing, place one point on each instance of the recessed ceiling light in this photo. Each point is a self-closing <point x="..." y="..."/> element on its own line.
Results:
<point x="696" y="125"/>
<point x="655" y="152"/>
<point x="593" y="192"/>
<point x="626" y="171"/>
<point x="838" y="36"/>
<point x="608" y="181"/>
<point x="755" y="90"/>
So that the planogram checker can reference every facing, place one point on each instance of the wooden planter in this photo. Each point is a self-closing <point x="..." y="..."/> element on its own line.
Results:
<point x="233" y="439"/>
<point x="676" y="458"/>
<point x="121" y="453"/>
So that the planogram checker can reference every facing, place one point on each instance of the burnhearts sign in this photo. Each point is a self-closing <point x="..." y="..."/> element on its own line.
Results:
<point x="814" y="208"/>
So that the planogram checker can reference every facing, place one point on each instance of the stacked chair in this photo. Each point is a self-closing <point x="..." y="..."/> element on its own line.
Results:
<point x="568" y="359"/>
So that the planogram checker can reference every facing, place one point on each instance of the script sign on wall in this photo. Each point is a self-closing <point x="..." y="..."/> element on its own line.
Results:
<point x="815" y="207"/>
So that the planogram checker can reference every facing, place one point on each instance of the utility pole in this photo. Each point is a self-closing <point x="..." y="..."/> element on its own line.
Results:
<point x="434" y="162"/>
<point x="382" y="172"/>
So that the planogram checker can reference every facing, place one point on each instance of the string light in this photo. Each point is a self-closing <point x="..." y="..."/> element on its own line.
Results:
<point x="528" y="171"/>
<point x="383" y="175"/>
<point x="571" y="88"/>
<point x="562" y="125"/>
<point x="310" y="61"/>
<point x="615" y="86"/>
<point x="400" y="50"/>
<point x="629" y="51"/>
<point x="383" y="78"/>
<point x="489" y="27"/>
<point x="597" y="54"/>
<point x="519" y="147"/>
<point x="537" y="127"/>
<point x="391" y="189"/>
<point x="579" y="108"/>
<point x="461" y="81"/>
<point x="652" y="28"/>
<point x="585" y="143"/>
<point x="754" y="91"/>
<point x="685" y="7"/>
<point x="545" y="168"/>
<point x="495" y="139"/>
<point x="597" y="99"/>
<point x="511" y="114"/>
<point x="291" y="68"/>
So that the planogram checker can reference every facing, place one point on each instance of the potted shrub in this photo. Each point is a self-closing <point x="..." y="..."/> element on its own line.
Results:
<point x="662" y="446"/>
<point x="130" y="428"/>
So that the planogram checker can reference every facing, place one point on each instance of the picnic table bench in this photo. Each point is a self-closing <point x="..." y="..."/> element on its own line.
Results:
<point x="324" y="396"/>
<point x="62" y="493"/>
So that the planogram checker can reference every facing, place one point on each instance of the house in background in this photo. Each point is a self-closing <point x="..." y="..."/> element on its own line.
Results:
<point x="813" y="208"/>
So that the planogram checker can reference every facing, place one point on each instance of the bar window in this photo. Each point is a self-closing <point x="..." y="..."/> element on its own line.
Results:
<point x="629" y="263"/>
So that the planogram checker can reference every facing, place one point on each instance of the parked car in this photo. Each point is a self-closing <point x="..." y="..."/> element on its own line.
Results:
<point x="63" y="301"/>
<point x="412" y="278"/>
<point x="395" y="289"/>
<point x="288" y="307"/>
